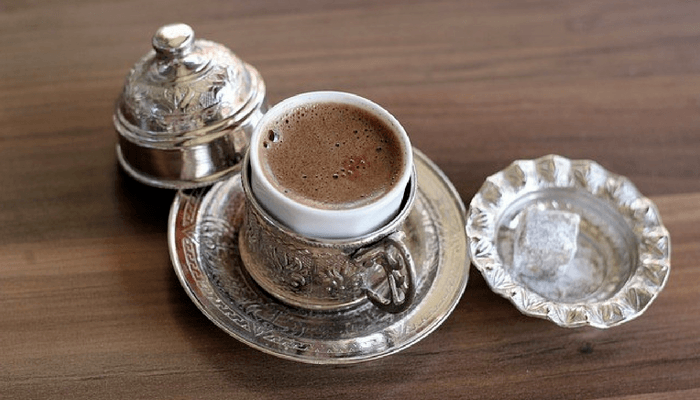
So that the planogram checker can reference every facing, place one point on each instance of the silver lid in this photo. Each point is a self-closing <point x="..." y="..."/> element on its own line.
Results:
<point x="186" y="112"/>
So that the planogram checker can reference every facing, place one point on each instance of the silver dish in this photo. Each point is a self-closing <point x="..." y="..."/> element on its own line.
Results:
<point x="203" y="239"/>
<point x="618" y="256"/>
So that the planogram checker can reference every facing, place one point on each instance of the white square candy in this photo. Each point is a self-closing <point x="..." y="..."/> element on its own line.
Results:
<point x="545" y="243"/>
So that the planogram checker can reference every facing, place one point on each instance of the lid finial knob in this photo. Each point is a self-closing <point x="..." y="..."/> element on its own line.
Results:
<point x="173" y="39"/>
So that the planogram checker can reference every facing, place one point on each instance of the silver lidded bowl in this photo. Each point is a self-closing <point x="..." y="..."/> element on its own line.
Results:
<point x="187" y="110"/>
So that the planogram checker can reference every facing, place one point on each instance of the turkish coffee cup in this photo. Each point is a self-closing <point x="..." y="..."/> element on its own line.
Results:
<point x="329" y="181"/>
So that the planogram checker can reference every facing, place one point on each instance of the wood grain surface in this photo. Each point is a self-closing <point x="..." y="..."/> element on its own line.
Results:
<point x="90" y="307"/>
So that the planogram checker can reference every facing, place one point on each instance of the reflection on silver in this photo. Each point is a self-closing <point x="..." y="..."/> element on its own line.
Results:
<point x="187" y="111"/>
<point x="598" y="253"/>
<point x="203" y="239"/>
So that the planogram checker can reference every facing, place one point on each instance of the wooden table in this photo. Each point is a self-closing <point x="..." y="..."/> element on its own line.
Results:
<point x="90" y="307"/>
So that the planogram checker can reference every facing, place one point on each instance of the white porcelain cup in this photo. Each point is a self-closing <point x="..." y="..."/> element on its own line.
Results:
<point x="328" y="223"/>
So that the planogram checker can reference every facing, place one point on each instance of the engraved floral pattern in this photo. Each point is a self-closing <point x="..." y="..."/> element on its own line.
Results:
<point x="302" y="272"/>
<point x="340" y="279"/>
<point x="165" y="99"/>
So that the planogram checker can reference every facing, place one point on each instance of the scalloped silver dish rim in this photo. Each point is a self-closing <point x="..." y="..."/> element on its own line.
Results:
<point x="553" y="171"/>
<point x="440" y="297"/>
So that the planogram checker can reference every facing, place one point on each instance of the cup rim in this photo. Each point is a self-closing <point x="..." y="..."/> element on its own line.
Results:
<point x="257" y="174"/>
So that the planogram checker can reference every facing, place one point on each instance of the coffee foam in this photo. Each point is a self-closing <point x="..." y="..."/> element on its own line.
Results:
<point x="331" y="155"/>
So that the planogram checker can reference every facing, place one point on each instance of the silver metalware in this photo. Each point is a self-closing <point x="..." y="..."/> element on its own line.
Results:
<point x="203" y="237"/>
<point x="328" y="274"/>
<point x="568" y="241"/>
<point x="187" y="110"/>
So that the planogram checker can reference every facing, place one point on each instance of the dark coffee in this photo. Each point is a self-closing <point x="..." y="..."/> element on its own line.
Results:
<point x="331" y="155"/>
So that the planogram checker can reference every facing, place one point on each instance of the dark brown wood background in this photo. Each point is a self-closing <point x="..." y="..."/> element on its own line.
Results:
<point x="90" y="307"/>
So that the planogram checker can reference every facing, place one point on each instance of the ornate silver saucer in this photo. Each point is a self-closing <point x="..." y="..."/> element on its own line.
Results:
<point x="568" y="241"/>
<point x="203" y="240"/>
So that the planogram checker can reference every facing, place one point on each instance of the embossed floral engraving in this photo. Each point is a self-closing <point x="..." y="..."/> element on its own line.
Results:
<point x="198" y="100"/>
<point x="341" y="278"/>
<point x="167" y="98"/>
<point x="322" y="276"/>
<point x="286" y="267"/>
<point x="291" y="270"/>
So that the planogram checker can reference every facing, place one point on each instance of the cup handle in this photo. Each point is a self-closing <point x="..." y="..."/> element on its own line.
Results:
<point x="393" y="256"/>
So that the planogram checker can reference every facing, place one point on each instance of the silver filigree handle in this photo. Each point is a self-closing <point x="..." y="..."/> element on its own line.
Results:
<point x="393" y="256"/>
